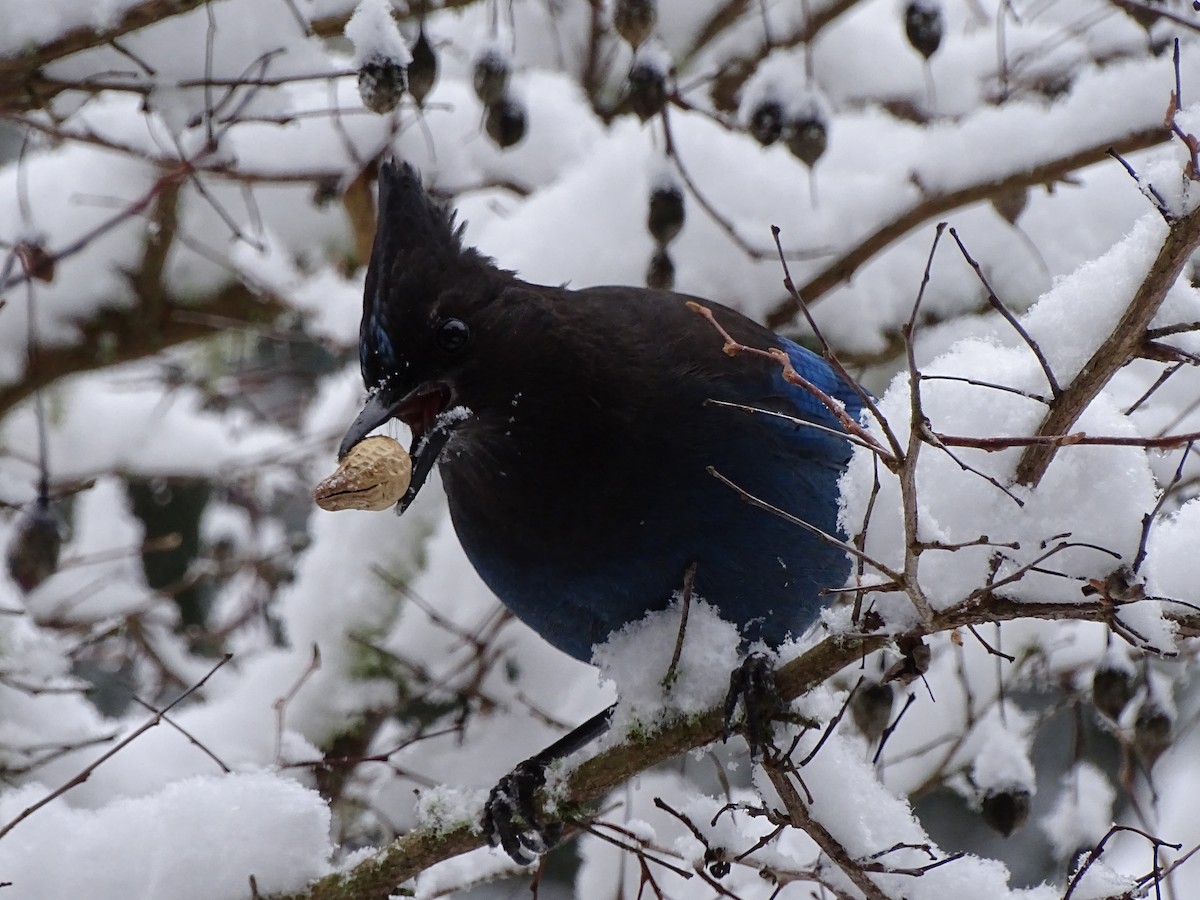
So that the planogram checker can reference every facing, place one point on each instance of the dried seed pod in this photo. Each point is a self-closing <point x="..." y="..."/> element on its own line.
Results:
<point x="660" y="274"/>
<point x="373" y="475"/>
<point x="1151" y="731"/>
<point x="1005" y="810"/>
<point x="716" y="862"/>
<point x="380" y="55"/>
<point x="326" y="191"/>
<point x="1112" y="688"/>
<point x="766" y="122"/>
<point x="423" y="70"/>
<point x="915" y="657"/>
<point x="1121" y="585"/>
<point x="1011" y="204"/>
<point x="664" y="220"/>
<point x="506" y="122"/>
<point x="923" y="25"/>
<point x="807" y="138"/>
<point x="38" y="262"/>
<point x="490" y="76"/>
<point x="871" y="708"/>
<point x="635" y="20"/>
<point x="647" y="90"/>
<point x="381" y="84"/>
<point x="32" y="554"/>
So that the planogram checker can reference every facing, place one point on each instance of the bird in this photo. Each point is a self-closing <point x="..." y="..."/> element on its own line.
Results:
<point x="597" y="445"/>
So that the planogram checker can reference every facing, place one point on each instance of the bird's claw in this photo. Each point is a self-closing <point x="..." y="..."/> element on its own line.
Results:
<point x="510" y="816"/>
<point x="753" y="682"/>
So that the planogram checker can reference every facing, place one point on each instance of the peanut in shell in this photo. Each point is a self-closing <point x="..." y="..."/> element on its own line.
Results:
<point x="373" y="475"/>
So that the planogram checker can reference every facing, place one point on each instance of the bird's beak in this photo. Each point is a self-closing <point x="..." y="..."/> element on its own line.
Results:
<point x="381" y="406"/>
<point x="421" y="409"/>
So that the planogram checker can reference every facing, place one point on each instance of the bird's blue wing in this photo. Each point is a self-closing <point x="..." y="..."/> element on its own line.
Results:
<point x="802" y="403"/>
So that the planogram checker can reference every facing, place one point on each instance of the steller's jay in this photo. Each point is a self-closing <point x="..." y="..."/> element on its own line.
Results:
<point x="574" y="434"/>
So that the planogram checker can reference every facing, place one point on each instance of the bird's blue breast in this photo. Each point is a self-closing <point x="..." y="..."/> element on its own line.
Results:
<point x="765" y="574"/>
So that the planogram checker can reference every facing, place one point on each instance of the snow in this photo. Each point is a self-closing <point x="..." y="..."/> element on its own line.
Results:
<point x="781" y="78"/>
<point x="1101" y="882"/>
<point x="374" y="34"/>
<point x="637" y="659"/>
<point x="28" y="24"/>
<point x="653" y="56"/>
<point x="1001" y="761"/>
<point x="1167" y="568"/>
<point x="444" y="809"/>
<point x="196" y="838"/>
<point x="1083" y="812"/>
<point x="961" y="506"/>
<point x="417" y="664"/>
<point x="1084" y="307"/>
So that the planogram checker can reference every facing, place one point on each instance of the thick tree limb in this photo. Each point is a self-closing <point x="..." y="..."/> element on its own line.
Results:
<point x="379" y="877"/>
<point x="777" y="771"/>
<point x="1122" y="345"/>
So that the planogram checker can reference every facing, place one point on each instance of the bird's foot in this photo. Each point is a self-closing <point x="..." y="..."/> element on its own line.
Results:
<point x="510" y="816"/>
<point x="753" y="682"/>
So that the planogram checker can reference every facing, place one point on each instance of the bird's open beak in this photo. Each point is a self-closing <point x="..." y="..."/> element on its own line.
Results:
<point x="421" y="410"/>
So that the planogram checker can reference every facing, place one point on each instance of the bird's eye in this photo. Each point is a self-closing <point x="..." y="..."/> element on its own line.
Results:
<point x="452" y="334"/>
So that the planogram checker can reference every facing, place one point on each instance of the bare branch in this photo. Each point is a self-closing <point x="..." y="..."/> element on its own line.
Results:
<point x="1116" y="350"/>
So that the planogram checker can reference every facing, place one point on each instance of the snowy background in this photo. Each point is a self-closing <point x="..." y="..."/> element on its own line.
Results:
<point x="186" y="205"/>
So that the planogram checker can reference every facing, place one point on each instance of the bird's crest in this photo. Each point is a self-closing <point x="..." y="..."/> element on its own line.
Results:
<point x="417" y="252"/>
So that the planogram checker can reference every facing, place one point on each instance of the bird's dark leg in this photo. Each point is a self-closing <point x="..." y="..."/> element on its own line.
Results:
<point x="753" y="682"/>
<point x="510" y="816"/>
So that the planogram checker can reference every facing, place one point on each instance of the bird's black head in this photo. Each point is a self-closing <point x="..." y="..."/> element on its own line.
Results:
<point x="422" y="303"/>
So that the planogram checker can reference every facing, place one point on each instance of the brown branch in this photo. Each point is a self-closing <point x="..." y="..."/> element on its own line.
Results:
<point x="1052" y="442"/>
<point x="776" y="769"/>
<point x="331" y="26"/>
<point x="937" y="205"/>
<point x="114" y="335"/>
<point x="714" y="26"/>
<point x="1154" y="13"/>
<point x="87" y="771"/>
<point x="906" y="468"/>
<point x="23" y="87"/>
<point x="408" y="856"/>
<point x="1123" y="344"/>
<point x="18" y="74"/>
<point x="737" y="71"/>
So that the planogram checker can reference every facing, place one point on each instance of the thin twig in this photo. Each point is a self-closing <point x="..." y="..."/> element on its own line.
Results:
<point x="1150" y="517"/>
<point x="827" y="350"/>
<point x="906" y="470"/>
<point x="685" y="604"/>
<point x="998" y="305"/>
<point x="192" y="739"/>
<point x="831" y="725"/>
<point x="87" y="771"/>
<point x="281" y="704"/>
<point x="895" y="576"/>
<point x="801" y="818"/>
<point x="890" y="730"/>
